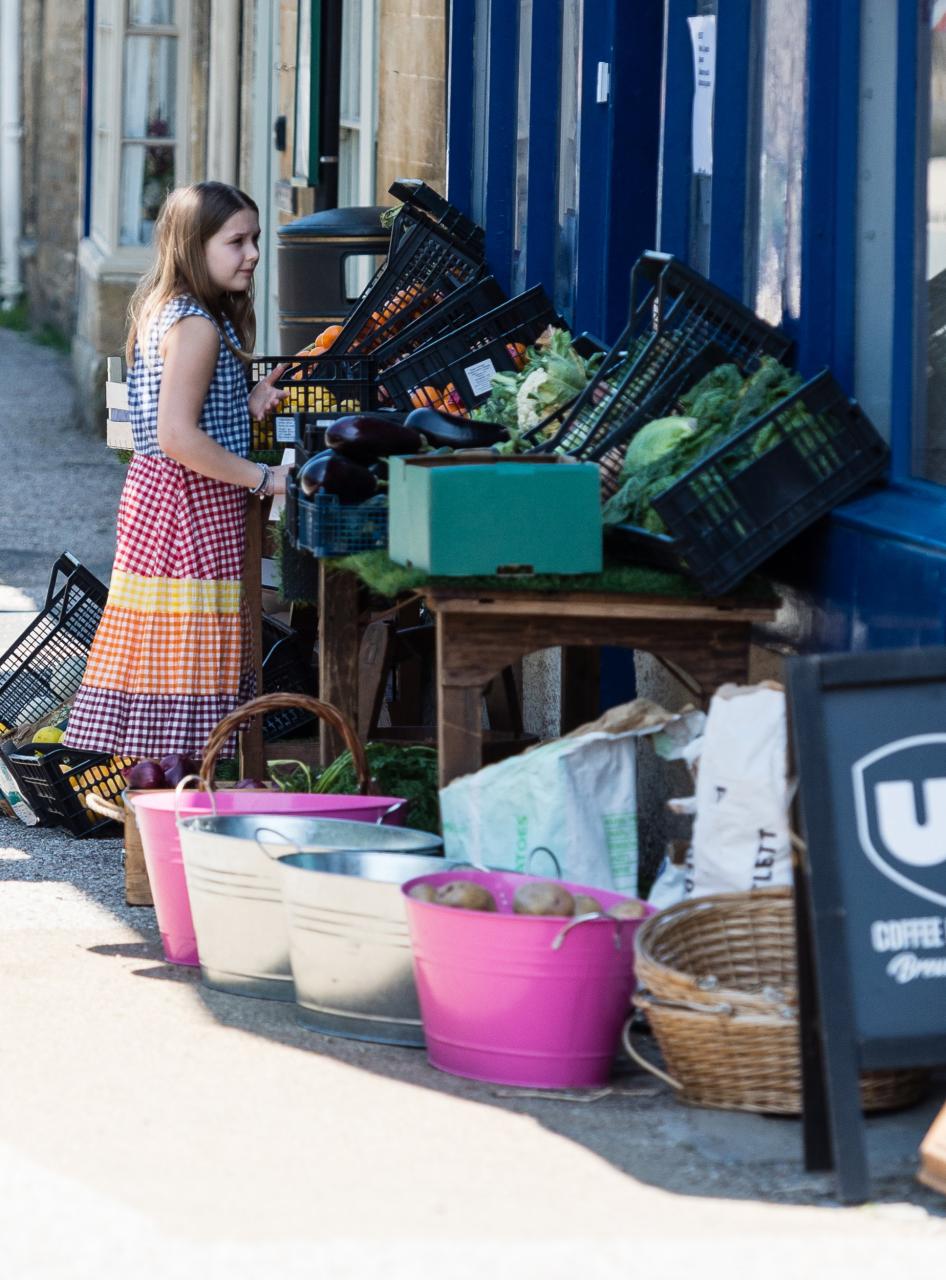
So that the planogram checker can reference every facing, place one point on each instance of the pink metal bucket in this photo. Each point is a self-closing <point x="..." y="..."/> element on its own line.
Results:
<point x="156" y="813"/>
<point x="533" y="1001"/>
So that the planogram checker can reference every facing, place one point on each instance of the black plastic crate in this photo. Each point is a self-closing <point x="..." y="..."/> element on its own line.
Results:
<point x="324" y="387"/>
<point x="43" y="668"/>
<point x="56" y="780"/>
<point x="454" y="372"/>
<point x="674" y="313"/>
<point x="736" y="507"/>
<point x="426" y="267"/>
<point x="285" y="670"/>
<point x="325" y="526"/>
<point x="458" y="310"/>
<point x="422" y="206"/>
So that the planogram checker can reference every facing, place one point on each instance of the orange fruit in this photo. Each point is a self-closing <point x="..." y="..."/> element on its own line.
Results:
<point x="426" y="398"/>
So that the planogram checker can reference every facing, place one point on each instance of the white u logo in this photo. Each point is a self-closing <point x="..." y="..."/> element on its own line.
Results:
<point x="919" y="844"/>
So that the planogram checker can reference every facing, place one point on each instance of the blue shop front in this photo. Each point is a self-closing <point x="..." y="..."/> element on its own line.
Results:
<point x="792" y="151"/>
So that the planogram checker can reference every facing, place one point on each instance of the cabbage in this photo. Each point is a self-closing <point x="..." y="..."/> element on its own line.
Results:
<point x="656" y="439"/>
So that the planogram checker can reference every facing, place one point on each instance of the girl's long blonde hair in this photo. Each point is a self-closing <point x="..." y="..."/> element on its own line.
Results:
<point x="191" y="215"/>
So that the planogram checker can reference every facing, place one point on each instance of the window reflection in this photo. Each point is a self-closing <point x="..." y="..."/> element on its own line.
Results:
<point x="931" y="454"/>
<point x="778" y="177"/>
<point x="520" y="230"/>
<point x="566" y="224"/>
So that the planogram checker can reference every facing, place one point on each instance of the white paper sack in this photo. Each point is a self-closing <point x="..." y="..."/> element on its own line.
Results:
<point x="741" y="831"/>
<point x="575" y="797"/>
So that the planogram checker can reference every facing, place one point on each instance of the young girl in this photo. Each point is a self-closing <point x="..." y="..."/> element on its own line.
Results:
<point x="170" y="657"/>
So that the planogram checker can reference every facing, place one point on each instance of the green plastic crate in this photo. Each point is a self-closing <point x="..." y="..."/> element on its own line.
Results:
<point x="464" y="515"/>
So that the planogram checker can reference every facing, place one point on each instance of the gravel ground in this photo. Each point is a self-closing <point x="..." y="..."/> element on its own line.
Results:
<point x="152" y="1127"/>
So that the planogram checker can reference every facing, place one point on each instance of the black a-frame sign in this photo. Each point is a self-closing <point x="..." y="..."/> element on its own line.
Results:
<point x="869" y="737"/>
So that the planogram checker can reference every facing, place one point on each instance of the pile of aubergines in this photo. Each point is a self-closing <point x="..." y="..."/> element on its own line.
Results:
<point x="353" y="465"/>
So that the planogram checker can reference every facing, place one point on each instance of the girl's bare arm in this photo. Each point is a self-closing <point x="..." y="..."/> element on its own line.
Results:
<point x="190" y="352"/>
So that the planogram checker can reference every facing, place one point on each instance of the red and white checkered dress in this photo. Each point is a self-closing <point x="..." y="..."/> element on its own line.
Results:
<point x="171" y="656"/>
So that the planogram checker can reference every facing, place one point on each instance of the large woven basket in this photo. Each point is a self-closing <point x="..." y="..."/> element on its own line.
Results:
<point x="717" y="979"/>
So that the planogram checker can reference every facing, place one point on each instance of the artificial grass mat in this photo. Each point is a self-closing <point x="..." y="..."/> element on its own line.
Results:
<point x="379" y="572"/>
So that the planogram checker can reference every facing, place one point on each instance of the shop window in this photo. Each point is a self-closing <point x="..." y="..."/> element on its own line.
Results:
<point x="569" y="153"/>
<point x="776" y="173"/>
<point x="140" y="150"/>
<point x="523" y="112"/>
<point x="930" y="443"/>
<point x="357" y="122"/>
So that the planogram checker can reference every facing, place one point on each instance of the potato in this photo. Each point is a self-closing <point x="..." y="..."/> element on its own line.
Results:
<point x="629" y="909"/>
<point x="466" y="894"/>
<point x="423" y="892"/>
<point x="585" y="904"/>
<point x="543" y="899"/>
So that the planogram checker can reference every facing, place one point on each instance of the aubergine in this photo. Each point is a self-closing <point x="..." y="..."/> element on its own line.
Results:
<point x="329" y="472"/>
<point x="452" y="432"/>
<point x="366" y="437"/>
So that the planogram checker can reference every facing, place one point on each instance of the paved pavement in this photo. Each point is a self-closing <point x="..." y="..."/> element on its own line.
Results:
<point x="150" y="1127"/>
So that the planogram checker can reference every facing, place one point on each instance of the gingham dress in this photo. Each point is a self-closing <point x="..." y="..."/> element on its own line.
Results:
<point x="171" y="656"/>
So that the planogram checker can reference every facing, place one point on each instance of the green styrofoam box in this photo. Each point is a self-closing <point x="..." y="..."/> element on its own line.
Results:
<point x="454" y="517"/>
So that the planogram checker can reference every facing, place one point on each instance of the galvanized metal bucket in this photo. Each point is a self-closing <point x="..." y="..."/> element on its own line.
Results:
<point x="235" y="895"/>
<point x="349" y="943"/>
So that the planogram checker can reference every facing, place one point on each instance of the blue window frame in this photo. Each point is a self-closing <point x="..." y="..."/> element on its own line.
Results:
<point x="499" y="148"/>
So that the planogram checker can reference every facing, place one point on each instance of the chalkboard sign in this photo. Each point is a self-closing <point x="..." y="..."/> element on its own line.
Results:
<point x="869" y="734"/>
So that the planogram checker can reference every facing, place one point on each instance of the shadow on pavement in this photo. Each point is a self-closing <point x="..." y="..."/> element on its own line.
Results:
<point x="637" y="1126"/>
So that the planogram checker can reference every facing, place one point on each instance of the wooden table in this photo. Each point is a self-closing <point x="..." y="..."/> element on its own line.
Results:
<point x="478" y="634"/>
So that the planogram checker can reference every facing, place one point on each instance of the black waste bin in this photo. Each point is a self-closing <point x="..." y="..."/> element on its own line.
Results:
<point x="312" y="254"/>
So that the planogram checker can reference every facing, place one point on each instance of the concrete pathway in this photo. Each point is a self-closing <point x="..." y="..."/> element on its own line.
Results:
<point x="150" y="1127"/>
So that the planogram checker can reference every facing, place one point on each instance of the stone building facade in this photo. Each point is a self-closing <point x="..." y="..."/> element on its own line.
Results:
<point x="235" y="75"/>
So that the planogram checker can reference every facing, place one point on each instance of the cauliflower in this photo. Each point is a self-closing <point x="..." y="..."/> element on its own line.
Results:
<point x="530" y="409"/>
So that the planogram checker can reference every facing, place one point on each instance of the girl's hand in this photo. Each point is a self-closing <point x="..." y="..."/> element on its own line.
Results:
<point x="265" y="397"/>
<point x="279" y="479"/>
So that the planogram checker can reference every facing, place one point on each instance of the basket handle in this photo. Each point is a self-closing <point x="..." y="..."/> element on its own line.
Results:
<point x="105" y="808"/>
<point x="277" y="702"/>
<point x="633" y="1054"/>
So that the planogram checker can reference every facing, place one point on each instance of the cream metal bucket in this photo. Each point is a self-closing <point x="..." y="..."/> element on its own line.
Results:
<point x="349" y="943"/>
<point x="235" y="894"/>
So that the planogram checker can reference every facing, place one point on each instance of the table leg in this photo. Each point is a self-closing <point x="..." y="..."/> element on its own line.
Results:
<point x="459" y="715"/>
<point x="252" y="762"/>
<point x="338" y="653"/>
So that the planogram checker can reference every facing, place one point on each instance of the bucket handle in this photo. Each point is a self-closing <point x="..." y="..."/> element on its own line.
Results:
<point x="398" y="804"/>
<point x="179" y="791"/>
<point x="293" y="847"/>
<point x="635" y="1056"/>
<point x="280" y="702"/>
<point x="541" y="848"/>
<point x="559" y="939"/>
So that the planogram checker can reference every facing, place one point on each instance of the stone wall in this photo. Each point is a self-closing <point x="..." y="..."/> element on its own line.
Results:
<point x="53" y="61"/>
<point x="411" y="93"/>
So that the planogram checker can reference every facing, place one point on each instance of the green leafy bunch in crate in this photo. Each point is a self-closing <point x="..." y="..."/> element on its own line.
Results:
<point x="719" y="406"/>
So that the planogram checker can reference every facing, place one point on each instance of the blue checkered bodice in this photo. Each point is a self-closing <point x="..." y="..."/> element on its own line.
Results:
<point x="225" y="415"/>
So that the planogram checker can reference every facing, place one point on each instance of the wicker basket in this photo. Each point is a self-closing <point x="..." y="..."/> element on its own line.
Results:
<point x="717" y="979"/>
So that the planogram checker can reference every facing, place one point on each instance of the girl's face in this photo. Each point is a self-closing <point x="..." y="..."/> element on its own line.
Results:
<point x="233" y="251"/>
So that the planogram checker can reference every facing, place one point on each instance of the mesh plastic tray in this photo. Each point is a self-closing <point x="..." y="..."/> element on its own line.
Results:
<point x="325" y="526"/>
<point x="324" y="387"/>
<point x="456" y="311"/>
<point x="454" y="372"/>
<point x="674" y="313"/>
<point x="424" y="268"/>
<point x="56" y="780"/>
<point x="285" y="670"/>
<point x="762" y="487"/>
<point x="43" y="668"/>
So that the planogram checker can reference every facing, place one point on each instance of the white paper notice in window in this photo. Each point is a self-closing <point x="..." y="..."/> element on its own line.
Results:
<point x="703" y="36"/>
